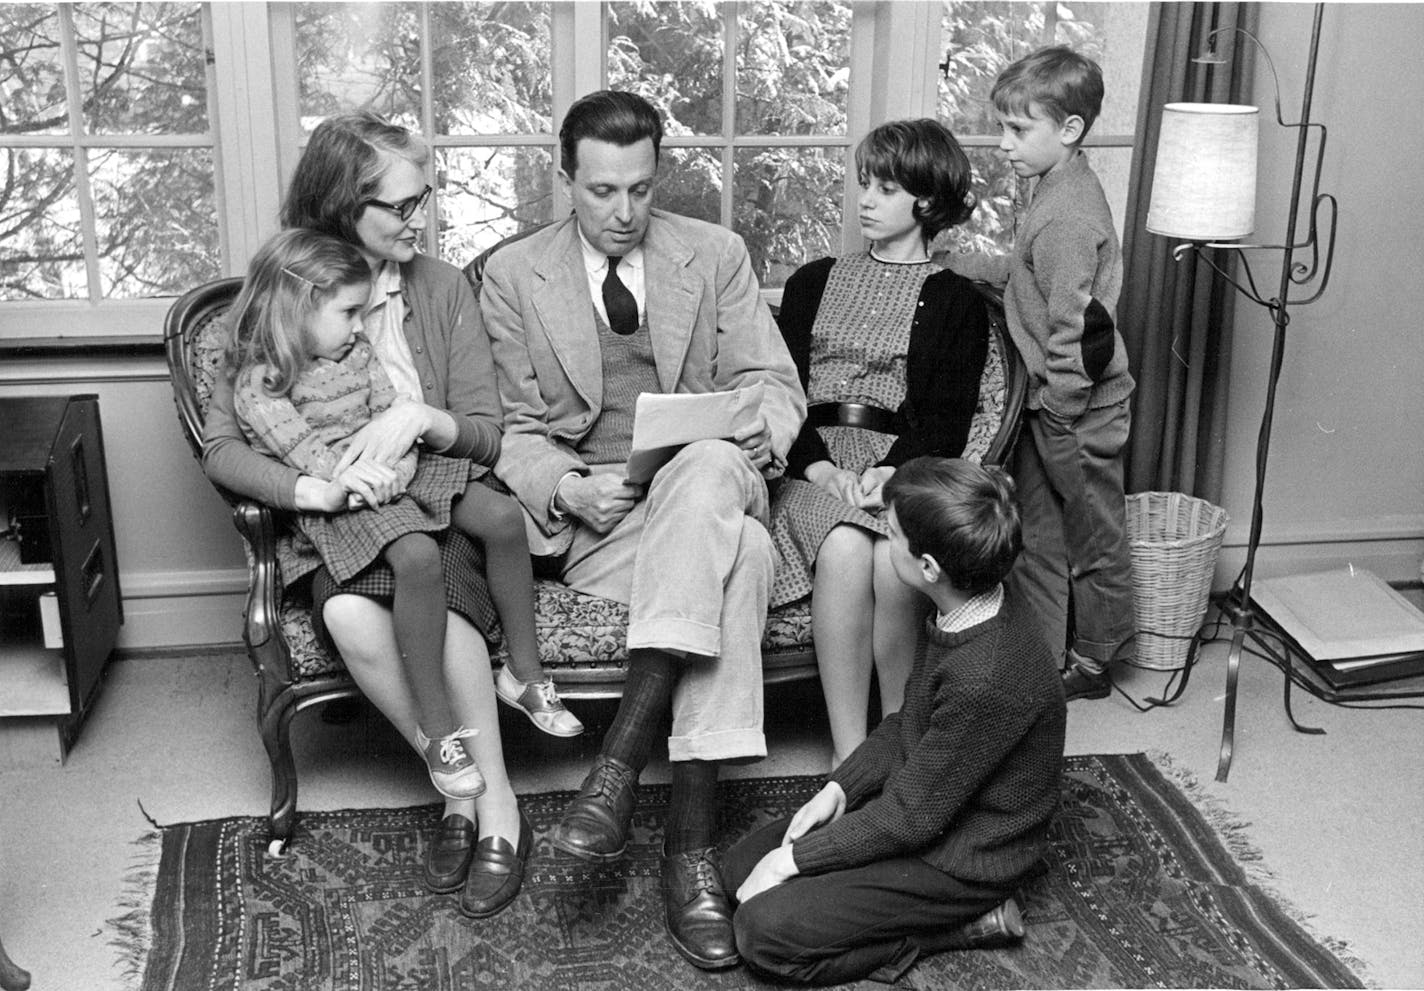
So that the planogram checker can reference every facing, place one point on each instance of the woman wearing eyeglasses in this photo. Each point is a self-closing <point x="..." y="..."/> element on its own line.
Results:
<point x="362" y="179"/>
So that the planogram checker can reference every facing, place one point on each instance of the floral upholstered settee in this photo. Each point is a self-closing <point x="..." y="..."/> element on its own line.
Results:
<point x="581" y="637"/>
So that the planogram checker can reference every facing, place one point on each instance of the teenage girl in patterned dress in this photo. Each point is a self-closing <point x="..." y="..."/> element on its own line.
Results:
<point x="885" y="340"/>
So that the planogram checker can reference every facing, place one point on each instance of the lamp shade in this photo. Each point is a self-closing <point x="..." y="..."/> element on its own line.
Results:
<point x="1204" y="186"/>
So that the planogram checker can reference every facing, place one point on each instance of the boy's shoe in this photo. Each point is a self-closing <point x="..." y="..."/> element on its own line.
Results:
<point x="1000" y="926"/>
<point x="1080" y="683"/>
<point x="452" y="769"/>
<point x="538" y="700"/>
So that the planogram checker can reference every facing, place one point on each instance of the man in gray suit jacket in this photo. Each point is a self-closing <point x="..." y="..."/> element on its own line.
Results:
<point x="585" y="315"/>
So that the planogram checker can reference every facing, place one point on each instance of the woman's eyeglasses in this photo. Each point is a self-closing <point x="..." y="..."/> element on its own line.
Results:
<point x="406" y="207"/>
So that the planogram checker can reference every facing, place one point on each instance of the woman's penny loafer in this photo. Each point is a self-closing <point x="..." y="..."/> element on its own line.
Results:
<point x="447" y="860"/>
<point x="496" y="873"/>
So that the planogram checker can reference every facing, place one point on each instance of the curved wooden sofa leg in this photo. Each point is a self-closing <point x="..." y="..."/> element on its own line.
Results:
<point x="275" y="722"/>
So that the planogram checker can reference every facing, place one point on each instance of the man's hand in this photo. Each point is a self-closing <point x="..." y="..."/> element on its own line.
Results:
<point x="755" y="441"/>
<point x="872" y="485"/>
<point x="389" y="434"/>
<point x="827" y="805"/>
<point x="599" y="501"/>
<point x="839" y="482"/>
<point x="773" y="869"/>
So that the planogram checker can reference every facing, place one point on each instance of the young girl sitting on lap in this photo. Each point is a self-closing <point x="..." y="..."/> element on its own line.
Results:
<point x="307" y="379"/>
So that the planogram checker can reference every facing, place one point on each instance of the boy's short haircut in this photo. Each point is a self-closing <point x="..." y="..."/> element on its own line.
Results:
<point x="925" y="160"/>
<point x="961" y="514"/>
<point x="1060" y="81"/>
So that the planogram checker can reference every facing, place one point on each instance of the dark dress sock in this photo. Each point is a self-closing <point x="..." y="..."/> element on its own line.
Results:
<point x="644" y="709"/>
<point x="692" y="807"/>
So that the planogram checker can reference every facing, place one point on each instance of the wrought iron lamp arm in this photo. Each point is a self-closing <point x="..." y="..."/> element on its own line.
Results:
<point x="1299" y="273"/>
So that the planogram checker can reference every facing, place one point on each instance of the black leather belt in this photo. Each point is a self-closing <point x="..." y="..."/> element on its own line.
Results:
<point x="860" y="415"/>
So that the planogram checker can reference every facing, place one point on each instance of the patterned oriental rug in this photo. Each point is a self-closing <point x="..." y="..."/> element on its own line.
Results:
<point x="1142" y="890"/>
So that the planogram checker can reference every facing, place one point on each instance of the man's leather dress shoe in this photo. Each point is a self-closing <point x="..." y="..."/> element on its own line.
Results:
<point x="699" y="916"/>
<point x="497" y="873"/>
<point x="448" y="858"/>
<point x="595" y="825"/>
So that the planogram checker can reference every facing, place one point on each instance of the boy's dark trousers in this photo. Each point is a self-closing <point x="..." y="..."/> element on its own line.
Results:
<point x="1069" y="477"/>
<point x="864" y="922"/>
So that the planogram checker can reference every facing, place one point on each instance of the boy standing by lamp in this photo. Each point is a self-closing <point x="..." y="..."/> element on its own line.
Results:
<point x="1063" y="276"/>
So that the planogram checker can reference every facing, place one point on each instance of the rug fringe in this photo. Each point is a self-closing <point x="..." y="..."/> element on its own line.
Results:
<point x="1234" y="833"/>
<point x="131" y="932"/>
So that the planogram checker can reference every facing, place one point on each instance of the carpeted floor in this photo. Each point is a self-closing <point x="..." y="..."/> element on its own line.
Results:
<point x="1140" y="891"/>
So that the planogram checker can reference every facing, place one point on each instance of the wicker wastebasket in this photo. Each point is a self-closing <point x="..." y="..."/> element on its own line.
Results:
<point x="1174" y="539"/>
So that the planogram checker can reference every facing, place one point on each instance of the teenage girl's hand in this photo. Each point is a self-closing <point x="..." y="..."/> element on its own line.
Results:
<point x="872" y="485"/>
<point x="827" y="805"/>
<point x="839" y="482"/>
<point x="389" y="434"/>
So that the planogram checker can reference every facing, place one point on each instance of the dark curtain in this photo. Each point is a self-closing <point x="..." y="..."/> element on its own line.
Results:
<point x="1176" y="316"/>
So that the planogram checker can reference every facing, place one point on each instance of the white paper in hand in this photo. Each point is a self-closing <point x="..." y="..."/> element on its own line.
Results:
<point x="663" y="423"/>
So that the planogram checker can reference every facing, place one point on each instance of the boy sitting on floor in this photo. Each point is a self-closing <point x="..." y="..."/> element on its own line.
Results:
<point x="919" y="839"/>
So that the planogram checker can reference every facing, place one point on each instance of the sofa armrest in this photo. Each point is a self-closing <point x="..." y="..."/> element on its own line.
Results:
<point x="262" y="626"/>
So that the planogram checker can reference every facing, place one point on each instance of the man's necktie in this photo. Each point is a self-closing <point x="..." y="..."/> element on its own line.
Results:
<point x="622" y="308"/>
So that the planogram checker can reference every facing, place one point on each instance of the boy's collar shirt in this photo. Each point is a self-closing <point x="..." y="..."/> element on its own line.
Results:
<point x="980" y="609"/>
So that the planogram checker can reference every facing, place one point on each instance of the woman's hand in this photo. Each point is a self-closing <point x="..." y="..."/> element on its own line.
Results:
<point x="838" y="482"/>
<point x="827" y="805"/>
<point x="316" y="495"/>
<point x="389" y="435"/>
<point x="773" y="869"/>
<point x="370" y="484"/>
<point x="872" y="485"/>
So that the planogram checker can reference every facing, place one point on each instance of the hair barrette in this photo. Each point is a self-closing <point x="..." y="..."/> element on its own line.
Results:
<point x="299" y="278"/>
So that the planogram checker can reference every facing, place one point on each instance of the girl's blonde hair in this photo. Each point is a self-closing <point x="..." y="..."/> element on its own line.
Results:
<point x="287" y="281"/>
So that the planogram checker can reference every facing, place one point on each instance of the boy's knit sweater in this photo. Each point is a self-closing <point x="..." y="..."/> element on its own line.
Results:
<point x="966" y="775"/>
<point x="1063" y="278"/>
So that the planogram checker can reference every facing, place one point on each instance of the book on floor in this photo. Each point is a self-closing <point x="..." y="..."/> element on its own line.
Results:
<point x="1348" y="624"/>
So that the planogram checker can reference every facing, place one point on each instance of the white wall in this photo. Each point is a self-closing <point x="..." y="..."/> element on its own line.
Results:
<point x="1345" y="475"/>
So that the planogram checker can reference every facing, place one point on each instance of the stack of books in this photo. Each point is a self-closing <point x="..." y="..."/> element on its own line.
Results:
<point x="1347" y="625"/>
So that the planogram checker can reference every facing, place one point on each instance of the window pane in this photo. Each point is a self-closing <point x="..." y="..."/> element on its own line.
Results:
<point x="156" y="222"/>
<point x="493" y="68"/>
<point x="981" y="37"/>
<point x="41" y="248"/>
<point x="359" y="55"/>
<point x="489" y="193"/>
<point x="142" y="68"/>
<point x="690" y="183"/>
<point x="787" y="206"/>
<point x="671" y="54"/>
<point x="792" y="67"/>
<point x="1114" y="169"/>
<point x="32" y="97"/>
<point x="991" y="228"/>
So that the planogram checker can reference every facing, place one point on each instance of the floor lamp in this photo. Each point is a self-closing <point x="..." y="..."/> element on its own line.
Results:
<point x="1204" y="193"/>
